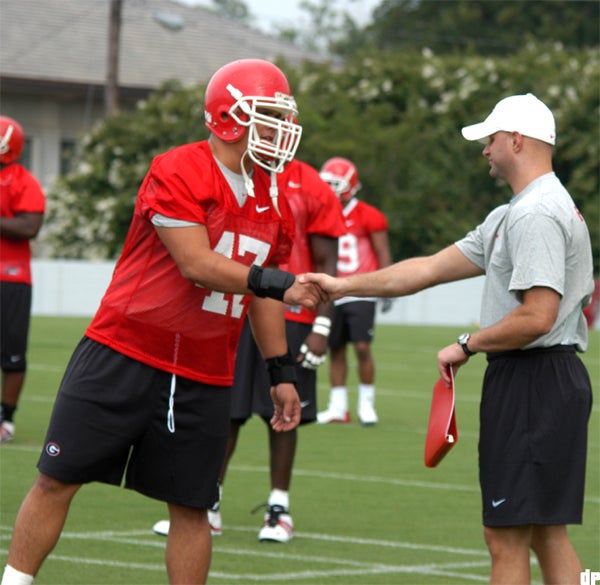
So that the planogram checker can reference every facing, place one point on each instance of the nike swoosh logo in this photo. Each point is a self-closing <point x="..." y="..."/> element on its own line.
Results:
<point x="261" y="209"/>
<point x="496" y="503"/>
<point x="304" y="404"/>
<point x="294" y="185"/>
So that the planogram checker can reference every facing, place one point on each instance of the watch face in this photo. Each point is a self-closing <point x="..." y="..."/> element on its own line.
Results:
<point x="464" y="338"/>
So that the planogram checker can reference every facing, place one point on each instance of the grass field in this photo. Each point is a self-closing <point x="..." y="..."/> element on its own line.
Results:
<point x="366" y="509"/>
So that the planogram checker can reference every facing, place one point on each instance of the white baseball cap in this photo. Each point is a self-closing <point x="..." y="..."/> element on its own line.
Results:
<point x="525" y="114"/>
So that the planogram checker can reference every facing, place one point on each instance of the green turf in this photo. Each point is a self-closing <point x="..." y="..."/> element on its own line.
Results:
<point x="366" y="508"/>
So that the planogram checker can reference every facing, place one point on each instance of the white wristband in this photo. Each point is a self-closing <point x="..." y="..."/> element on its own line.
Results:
<point x="322" y="326"/>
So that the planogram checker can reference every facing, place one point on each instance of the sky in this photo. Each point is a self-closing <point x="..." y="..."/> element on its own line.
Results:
<point x="271" y="13"/>
<point x="288" y="11"/>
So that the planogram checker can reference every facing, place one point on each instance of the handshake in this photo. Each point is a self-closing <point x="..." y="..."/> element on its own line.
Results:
<point x="312" y="289"/>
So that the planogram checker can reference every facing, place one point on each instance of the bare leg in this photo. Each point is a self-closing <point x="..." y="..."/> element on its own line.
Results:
<point x="366" y="365"/>
<point x="557" y="557"/>
<point x="283" y="450"/>
<point x="509" y="550"/>
<point x="189" y="546"/>
<point x="12" y="384"/>
<point x="338" y="367"/>
<point x="39" y="523"/>
<point x="234" y="431"/>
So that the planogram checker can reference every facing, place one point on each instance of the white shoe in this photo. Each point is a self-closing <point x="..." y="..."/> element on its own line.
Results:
<point x="7" y="431"/>
<point x="162" y="527"/>
<point x="214" y="521"/>
<point x="277" y="525"/>
<point x="367" y="414"/>
<point x="332" y="415"/>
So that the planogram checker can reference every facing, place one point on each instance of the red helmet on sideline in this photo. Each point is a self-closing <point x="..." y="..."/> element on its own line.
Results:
<point x="342" y="176"/>
<point x="12" y="140"/>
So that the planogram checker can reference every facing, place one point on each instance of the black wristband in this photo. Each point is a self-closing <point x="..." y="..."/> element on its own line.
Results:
<point x="282" y="369"/>
<point x="269" y="282"/>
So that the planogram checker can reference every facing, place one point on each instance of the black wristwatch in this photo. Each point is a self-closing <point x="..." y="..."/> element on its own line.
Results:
<point x="462" y="340"/>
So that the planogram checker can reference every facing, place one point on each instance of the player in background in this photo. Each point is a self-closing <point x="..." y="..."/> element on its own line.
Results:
<point x="319" y="222"/>
<point x="364" y="247"/>
<point x="22" y="206"/>
<point x="145" y="399"/>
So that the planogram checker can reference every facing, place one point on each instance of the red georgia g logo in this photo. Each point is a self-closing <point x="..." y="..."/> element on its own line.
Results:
<point x="53" y="449"/>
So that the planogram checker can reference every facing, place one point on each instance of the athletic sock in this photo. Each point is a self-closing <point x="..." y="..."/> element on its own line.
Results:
<point x="338" y="398"/>
<point x="366" y="392"/>
<point x="7" y="413"/>
<point x="279" y="498"/>
<point x="13" y="577"/>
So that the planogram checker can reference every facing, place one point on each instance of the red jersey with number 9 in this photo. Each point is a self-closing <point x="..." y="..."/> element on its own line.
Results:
<point x="154" y="315"/>
<point x="355" y="251"/>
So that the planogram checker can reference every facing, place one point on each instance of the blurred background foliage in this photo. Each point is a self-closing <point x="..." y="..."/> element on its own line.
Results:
<point x="392" y="97"/>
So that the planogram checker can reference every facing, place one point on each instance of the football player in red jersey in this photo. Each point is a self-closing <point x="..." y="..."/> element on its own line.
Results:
<point x="22" y="206"/>
<point x="364" y="248"/>
<point x="319" y="224"/>
<point x="146" y="394"/>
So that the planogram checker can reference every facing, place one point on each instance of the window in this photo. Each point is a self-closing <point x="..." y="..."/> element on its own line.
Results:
<point x="67" y="152"/>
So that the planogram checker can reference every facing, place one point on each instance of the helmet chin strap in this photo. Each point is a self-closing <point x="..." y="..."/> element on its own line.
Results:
<point x="247" y="179"/>
<point x="273" y="190"/>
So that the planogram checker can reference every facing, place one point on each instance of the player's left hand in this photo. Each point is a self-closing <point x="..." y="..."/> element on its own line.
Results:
<point x="287" y="407"/>
<point x="313" y="351"/>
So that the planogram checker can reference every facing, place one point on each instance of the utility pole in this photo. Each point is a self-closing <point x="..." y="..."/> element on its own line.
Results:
<point x="111" y="89"/>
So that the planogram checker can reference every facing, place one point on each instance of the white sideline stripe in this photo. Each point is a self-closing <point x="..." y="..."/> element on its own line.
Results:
<point x="337" y="476"/>
<point x="366" y="478"/>
<point x="45" y="367"/>
<point x="441" y="569"/>
<point x="123" y="537"/>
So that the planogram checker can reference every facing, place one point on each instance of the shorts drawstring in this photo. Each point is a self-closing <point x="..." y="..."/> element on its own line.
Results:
<point x="171" y="411"/>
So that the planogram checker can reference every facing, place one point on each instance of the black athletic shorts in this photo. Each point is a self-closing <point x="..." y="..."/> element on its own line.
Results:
<point x="352" y="322"/>
<point x="534" y="417"/>
<point x="15" y="313"/>
<point x="112" y="417"/>
<point x="251" y="391"/>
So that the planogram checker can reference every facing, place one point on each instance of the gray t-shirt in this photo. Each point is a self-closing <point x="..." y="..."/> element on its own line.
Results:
<point x="538" y="239"/>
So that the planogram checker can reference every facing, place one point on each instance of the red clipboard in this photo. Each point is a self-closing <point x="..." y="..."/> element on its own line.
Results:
<point x="442" y="433"/>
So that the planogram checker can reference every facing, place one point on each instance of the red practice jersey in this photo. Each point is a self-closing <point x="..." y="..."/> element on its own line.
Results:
<point x="154" y="315"/>
<point x="355" y="252"/>
<point x="317" y="211"/>
<point x="20" y="192"/>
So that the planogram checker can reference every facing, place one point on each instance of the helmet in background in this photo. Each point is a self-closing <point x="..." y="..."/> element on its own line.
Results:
<point x="342" y="176"/>
<point x="12" y="140"/>
<point x="248" y="92"/>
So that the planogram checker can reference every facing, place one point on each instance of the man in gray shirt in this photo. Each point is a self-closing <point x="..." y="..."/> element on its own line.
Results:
<point x="536" y="255"/>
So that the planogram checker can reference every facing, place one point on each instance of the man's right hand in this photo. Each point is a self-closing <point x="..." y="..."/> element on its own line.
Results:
<point x="308" y="295"/>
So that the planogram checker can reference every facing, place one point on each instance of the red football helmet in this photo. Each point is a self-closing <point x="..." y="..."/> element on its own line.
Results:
<point x="248" y="92"/>
<point x="12" y="140"/>
<point x="342" y="176"/>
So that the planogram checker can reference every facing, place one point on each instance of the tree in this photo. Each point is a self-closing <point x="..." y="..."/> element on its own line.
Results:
<point x="397" y="115"/>
<point x="482" y="26"/>
<point x="234" y="9"/>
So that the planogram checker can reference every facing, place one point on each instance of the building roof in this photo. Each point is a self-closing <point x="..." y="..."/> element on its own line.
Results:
<point x="66" y="42"/>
